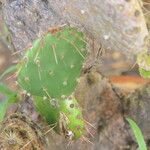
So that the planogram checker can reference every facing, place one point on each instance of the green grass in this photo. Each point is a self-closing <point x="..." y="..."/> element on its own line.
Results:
<point x="11" y="97"/>
<point x="138" y="134"/>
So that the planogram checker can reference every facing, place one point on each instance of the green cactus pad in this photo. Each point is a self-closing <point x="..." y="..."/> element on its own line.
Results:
<point x="65" y="115"/>
<point x="52" y="66"/>
<point x="70" y="110"/>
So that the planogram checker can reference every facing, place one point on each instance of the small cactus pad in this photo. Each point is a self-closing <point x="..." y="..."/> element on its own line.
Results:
<point x="64" y="114"/>
<point x="71" y="120"/>
<point x="52" y="66"/>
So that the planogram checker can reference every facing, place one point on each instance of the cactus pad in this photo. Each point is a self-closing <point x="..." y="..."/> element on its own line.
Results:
<point x="51" y="67"/>
<point x="71" y="120"/>
<point x="64" y="114"/>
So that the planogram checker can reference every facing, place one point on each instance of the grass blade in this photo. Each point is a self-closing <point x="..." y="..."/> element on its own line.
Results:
<point x="11" y="97"/>
<point x="9" y="70"/>
<point x="138" y="134"/>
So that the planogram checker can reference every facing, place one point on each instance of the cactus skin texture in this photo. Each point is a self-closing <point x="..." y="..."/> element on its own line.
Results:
<point x="51" y="67"/>
<point x="71" y="120"/>
<point x="48" y="109"/>
<point x="64" y="114"/>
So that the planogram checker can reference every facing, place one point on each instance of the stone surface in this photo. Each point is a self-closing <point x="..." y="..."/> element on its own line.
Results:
<point x="117" y="24"/>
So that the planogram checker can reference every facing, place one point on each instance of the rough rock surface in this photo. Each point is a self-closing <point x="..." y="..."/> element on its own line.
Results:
<point x="117" y="24"/>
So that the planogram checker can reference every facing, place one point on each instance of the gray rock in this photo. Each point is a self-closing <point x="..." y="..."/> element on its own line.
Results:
<point x="117" y="24"/>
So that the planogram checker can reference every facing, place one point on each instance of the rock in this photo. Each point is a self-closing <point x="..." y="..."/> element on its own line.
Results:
<point x="118" y="25"/>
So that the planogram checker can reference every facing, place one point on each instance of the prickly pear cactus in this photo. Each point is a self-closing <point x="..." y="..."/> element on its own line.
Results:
<point x="64" y="115"/>
<point x="52" y="66"/>
<point x="71" y="120"/>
